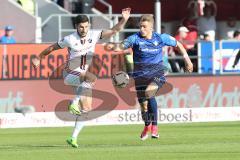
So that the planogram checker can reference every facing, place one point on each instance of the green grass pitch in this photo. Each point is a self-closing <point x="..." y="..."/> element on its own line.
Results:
<point x="196" y="141"/>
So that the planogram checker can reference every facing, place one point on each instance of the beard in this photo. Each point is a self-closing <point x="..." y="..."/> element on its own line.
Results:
<point x="82" y="34"/>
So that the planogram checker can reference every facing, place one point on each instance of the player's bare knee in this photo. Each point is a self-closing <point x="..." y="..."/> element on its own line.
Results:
<point x="90" y="77"/>
<point x="151" y="90"/>
<point x="144" y="107"/>
<point x="148" y="94"/>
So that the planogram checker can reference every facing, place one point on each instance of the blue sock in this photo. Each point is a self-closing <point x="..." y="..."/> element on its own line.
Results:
<point x="146" y="118"/>
<point x="152" y="107"/>
<point x="145" y="115"/>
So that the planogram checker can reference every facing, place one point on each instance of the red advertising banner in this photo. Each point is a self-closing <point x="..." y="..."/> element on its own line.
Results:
<point x="198" y="91"/>
<point x="203" y="91"/>
<point x="22" y="86"/>
<point x="15" y="61"/>
<point x="1" y="61"/>
<point x="18" y="59"/>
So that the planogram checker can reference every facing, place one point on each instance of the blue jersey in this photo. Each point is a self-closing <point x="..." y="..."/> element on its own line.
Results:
<point x="147" y="53"/>
<point x="7" y="40"/>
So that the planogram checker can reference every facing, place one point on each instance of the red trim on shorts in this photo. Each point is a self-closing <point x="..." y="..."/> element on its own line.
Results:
<point x="73" y="72"/>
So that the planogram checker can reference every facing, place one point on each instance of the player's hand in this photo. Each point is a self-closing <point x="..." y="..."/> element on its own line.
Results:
<point x="188" y="67"/>
<point x="109" y="46"/>
<point x="126" y="13"/>
<point x="35" y="62"/>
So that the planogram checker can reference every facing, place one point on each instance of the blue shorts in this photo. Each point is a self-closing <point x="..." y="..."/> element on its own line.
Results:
<point x="141" y="84"/>
<point x="146" y="74"/>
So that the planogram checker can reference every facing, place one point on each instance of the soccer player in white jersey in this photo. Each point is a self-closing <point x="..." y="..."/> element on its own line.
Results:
<point x="80" y="44"/>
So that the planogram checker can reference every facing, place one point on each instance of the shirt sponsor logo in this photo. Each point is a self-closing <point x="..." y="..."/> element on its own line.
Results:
<point x="155" y="43"/>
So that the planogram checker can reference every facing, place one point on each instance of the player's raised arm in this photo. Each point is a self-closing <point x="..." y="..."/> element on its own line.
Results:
<point x="45" y="52"/>
<point x="118" y="27"/>
<point x="122" y="46"/>
<point x="188" y="63"/>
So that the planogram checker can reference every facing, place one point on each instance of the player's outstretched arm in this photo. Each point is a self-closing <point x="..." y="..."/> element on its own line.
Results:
<point x="188" y="63"/>
<point x="45" y="52"/>
<point x="118" y="27"/>
<point x="115" y="47"/>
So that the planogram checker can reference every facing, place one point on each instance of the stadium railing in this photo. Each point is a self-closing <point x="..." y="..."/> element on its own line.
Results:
<point x="110" y="19"/>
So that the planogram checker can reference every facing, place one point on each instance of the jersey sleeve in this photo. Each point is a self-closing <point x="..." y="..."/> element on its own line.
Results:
<point x="96" y="35"/>
<point x="65" y="42"/>
<point x="168" y="40"/>
<point x="129" y="42"/>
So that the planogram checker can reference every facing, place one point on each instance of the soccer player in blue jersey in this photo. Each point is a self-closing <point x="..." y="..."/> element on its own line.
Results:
<point x="148" y="70"/>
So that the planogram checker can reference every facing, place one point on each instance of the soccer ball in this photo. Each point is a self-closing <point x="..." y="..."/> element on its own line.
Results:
<point x="120" y="79"/>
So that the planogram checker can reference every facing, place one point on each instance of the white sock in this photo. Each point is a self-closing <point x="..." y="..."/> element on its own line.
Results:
<point x="75" y="101"/>
<point x="78" y="91"/>
<point x="78" y="127"/>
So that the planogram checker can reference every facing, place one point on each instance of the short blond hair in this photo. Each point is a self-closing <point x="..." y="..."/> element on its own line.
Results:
<point x="147" y="17"/>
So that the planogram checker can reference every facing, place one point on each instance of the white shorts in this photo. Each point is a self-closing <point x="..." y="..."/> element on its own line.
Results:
<point x="73" y="79"/>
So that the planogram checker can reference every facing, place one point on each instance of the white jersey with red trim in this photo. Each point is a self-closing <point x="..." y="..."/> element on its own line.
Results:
<point x="80" y="50"/>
